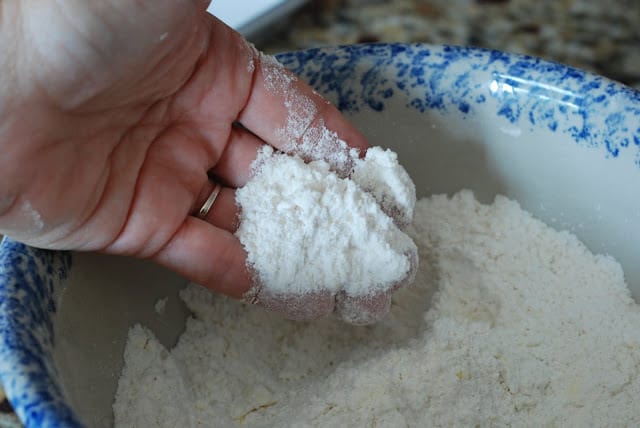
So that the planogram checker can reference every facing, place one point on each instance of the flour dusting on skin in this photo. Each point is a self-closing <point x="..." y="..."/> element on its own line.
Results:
<point x="321" y="143"/>
<point x="301" y="113"/>
<point x="276" y="78"/>
<point x="35" y="217"/>
<point x="308" y="136"/>
<point x="252" y="54"/>
<point x="509" y="323"/>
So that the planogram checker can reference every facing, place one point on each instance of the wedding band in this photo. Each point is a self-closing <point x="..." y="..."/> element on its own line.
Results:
<point x="206" y="207"/>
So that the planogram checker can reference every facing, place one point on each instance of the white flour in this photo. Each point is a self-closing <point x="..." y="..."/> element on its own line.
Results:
<point x="380" y="174"/>
<point x="509" y="323"/>
<point x="306" y="230"/>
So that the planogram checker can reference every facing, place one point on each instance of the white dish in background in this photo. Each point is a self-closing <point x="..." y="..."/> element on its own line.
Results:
<point x="252" y="18"/>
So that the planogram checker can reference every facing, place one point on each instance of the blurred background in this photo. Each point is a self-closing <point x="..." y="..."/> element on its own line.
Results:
<point x="602" y="36"/>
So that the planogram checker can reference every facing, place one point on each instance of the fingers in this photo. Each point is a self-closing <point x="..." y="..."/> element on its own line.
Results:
<point x="356" y="310"/>
<point x="209" y="256"/>
<point x="275" y="108"/>
<point x="304" y="122"/>
<point x="234" y="165"/>
<point x="298" y="307"/>
<point x="414" y="263"/>
<point x="362" y="310"/>
<point x="234" y="82"/>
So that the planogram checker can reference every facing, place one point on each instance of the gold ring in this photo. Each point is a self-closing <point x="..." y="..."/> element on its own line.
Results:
<point x="206" y="207"/>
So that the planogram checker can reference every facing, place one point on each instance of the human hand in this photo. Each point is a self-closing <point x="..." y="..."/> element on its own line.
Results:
<point x="114" y="113"/>
<point x="358" y="310"/>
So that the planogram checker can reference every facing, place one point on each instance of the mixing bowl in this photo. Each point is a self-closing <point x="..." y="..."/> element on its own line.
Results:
<point x="564" y="143"/>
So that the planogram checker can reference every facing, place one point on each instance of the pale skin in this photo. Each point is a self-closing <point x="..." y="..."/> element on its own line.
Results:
<point x="112" y="115"/>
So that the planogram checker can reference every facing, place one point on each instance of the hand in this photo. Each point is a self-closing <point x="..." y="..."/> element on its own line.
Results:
<point x="112" y="115"/>
<point x="358" y="310"/>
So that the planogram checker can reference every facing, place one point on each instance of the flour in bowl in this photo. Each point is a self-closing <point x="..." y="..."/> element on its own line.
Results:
<point x="509" y="323"/>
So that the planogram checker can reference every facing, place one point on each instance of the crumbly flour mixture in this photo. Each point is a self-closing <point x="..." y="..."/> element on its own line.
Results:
<point x="509" y="323"/>
<point x="306" y="229"/>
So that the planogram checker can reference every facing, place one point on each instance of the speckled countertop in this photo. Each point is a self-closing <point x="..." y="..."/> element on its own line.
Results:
<point x="596" y="35"/>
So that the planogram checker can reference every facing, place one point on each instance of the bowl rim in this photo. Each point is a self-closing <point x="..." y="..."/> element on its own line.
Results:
<point x="28" y="279"/>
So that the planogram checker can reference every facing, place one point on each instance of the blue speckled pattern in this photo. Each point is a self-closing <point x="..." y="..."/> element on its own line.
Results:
<point x="528" y="92"/>
<point x="28" y="277"/>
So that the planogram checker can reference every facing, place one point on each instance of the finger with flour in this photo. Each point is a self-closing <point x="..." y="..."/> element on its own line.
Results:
<point x="371" y="308"/>
<point x="306" y="124"/>
<point x="362" y="310"/>
<point x="234" y="164"/>
<point x="298" y="307"/>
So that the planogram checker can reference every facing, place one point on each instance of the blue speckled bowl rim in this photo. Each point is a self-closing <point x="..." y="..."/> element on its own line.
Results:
<point x="29" y="276"/>
<point x="518" y="96"/>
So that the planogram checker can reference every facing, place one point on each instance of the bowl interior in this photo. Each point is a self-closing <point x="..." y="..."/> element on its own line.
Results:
<point x="105" y="296"/>
<point x="561" y="142"/>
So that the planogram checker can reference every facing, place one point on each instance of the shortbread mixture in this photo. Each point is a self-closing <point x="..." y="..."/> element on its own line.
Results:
<point x="508" y="323"/>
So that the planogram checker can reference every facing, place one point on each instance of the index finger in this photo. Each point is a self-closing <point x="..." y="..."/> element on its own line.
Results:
<point x="288" y="114"/>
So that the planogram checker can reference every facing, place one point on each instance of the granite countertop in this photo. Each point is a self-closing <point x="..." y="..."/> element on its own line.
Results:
<point x="596" y="35"/>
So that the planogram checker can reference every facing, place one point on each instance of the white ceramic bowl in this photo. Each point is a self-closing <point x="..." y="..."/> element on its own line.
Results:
<point x="564" y="143"/>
